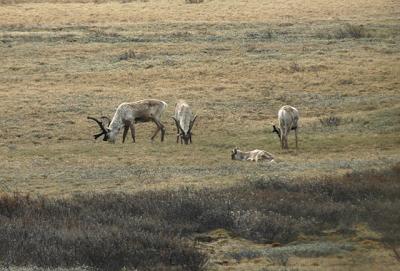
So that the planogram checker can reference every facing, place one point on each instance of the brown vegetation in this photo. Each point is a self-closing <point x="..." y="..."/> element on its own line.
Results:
<point x="152" y="230"/>
<point x="236" y="62"/>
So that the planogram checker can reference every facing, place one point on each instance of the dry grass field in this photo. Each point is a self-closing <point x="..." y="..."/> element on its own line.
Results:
<point x="236" y="62"/>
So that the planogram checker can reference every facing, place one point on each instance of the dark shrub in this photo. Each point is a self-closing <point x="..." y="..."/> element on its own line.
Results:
<point x="152" y="230"/>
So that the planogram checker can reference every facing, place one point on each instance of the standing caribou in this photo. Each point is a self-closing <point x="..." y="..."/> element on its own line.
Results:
<point x="184" y="121"/>
<point x="288" y="116"/>
<point x="127" y="114"/>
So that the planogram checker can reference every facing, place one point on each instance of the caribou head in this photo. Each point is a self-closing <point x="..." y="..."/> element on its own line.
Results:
<point x="185" y="136"/>
<point x="234" y="152"/>
<point x="105" y="121"/>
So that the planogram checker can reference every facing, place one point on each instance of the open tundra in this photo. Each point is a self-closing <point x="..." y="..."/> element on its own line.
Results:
<point x="235" y="63"/>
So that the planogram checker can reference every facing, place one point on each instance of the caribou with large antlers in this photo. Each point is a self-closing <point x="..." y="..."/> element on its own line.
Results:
<point x="127" y="114"/>
<point x="288" y="116"/>
<point x="184" y="121"/>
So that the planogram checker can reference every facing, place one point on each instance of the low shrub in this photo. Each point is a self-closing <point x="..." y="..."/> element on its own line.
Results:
<point x="152" y="230"/>
<point x="194" y="1"/>
<point x="129" y="54"/>
<point x="331" y="121"/>
<point x="344" y="32"/>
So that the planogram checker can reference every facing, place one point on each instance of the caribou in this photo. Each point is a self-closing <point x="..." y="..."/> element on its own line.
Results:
<point x="254" y="155"/>
<point x="128" y="114"/>
<point x="288" y="116"/>
<point x="184" y="121"/>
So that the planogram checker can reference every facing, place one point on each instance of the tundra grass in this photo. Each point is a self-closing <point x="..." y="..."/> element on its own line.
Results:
<point x="235" y="62"/>
<point x="235" y="75"/>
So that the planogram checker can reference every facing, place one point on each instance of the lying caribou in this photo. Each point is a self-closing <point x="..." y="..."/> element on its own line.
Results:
<point x="184" y="121"/>
<point x="127" y="114"/>
<point x="288" y="116"/>
<point x="254" y="155"/>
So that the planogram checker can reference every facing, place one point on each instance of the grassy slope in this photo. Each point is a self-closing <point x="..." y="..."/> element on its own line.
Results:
<point x="236" y="62"/>
<point x="236" y="71"/>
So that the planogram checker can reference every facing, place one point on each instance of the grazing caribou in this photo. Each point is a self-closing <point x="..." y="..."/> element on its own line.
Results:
<point x="127" y="114"/>
<point x="288" y="118"/>
<point x="254" y="155"/>
<point x="184" y="121"/>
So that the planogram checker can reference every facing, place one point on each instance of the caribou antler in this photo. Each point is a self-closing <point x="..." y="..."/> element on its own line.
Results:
<point x="105" y="120"/>
<point x="103" y="130"/>
<point x="276" y="130"/>
<point x="192" y="123"/>
<point x="184" y="121"/>
<point x="178" y="125"/>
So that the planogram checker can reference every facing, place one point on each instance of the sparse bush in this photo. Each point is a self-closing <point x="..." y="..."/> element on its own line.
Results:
<point x="265" y="227"/>
<point x="330" y="121"/>
<point x="346" y="82"/>
<point x="194" y="1"/>
<point x="352" y="31"/>
<point x="295" y="67"/>
<point x="280" y="255"/>
<point x="261" y="36"/>
<point x="130" y="54"/>
<point x="344" y="32"/>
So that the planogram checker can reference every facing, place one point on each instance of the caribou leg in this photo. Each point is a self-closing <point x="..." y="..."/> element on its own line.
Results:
<point x="162" y="132"/>
<point x="126" y="128"/>
<point x="160" y="127"/>
<point x="157" y="130"/>
<point x="177" y="134"/>
<point x="132" y="126"/>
